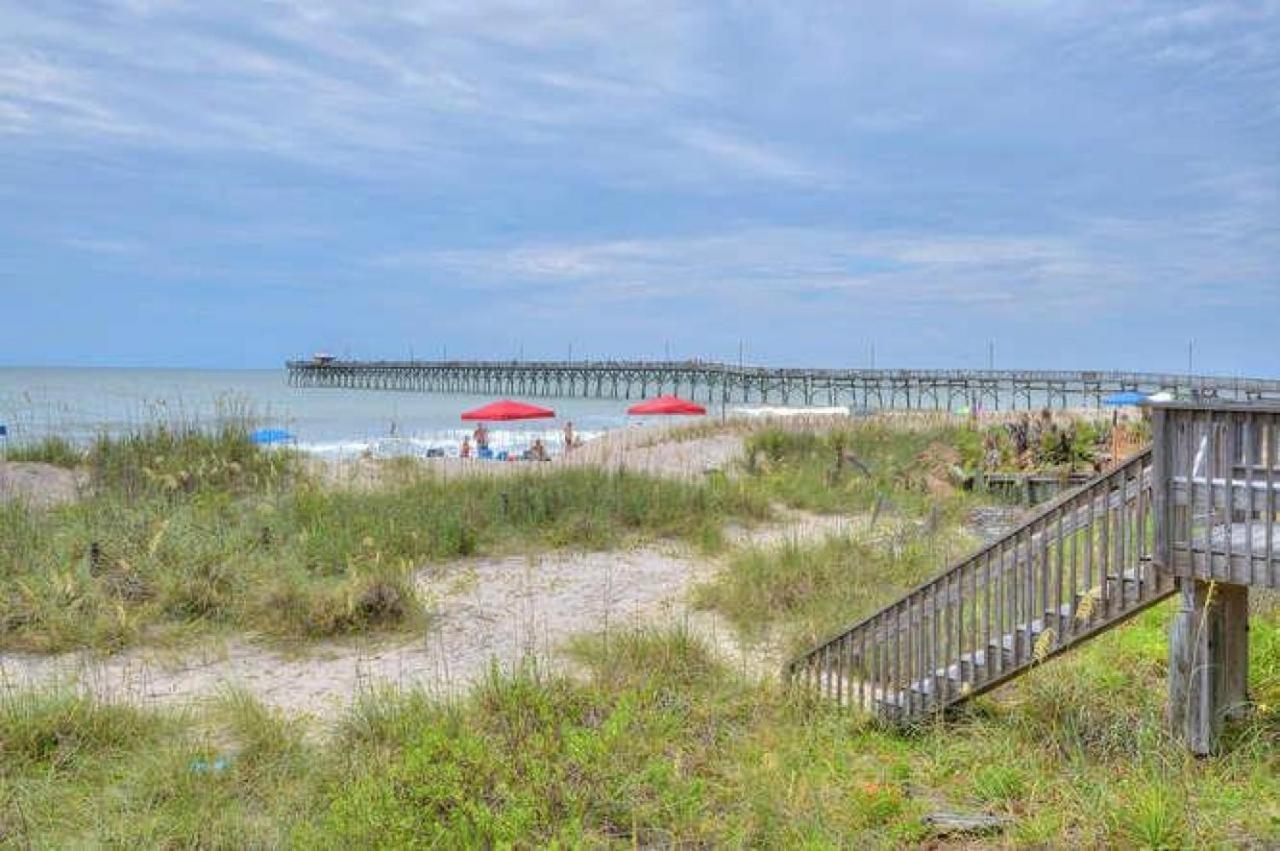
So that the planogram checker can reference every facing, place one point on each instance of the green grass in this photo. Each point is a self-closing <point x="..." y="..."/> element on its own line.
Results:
<point x="232" y="776"/>
<point x="657" y="744"/>
<point x="204" y="530"/>
<point x="61" y="730"/>
<point x="905" y="478"/>
<point x="812" y="589"/>
<point x="48" y="450"/>
<point x="188" y="461"/>
<point x="849" y="470"/>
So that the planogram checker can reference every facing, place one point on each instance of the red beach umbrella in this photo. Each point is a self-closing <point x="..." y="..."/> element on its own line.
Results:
<point x="508" y="409"/>
<point x="666" y="405"/>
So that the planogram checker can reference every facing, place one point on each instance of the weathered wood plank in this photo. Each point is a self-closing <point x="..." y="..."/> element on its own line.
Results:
<point x="948" y="824"/>
<point x="1208" y="661"/>
<point x="979" y="623"/>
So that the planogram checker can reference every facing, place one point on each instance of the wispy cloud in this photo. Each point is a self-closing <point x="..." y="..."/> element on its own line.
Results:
<point x="1031" y="274"/>
<point x="1101" y="264"/>
<point x="753" y="159"/>
<point x="100" y="245"/>
<point x="816" y="160"/>
<point x="322" y="82"/>
<point x="39" y="94"/>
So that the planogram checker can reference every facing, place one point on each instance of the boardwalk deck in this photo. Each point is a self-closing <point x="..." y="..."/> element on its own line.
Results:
<point x="1195" y="515"/>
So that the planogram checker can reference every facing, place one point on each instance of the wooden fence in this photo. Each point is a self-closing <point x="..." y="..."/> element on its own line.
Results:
<point x="1218" y="469"/>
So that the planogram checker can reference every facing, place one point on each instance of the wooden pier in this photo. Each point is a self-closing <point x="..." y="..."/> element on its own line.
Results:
<point x="902" y="389"/>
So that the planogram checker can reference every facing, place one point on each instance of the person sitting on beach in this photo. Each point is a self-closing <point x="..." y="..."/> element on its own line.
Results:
<point x="538" y="452"/>
<point x="481" y="436"/>
<point x="568" y="435"/>
<point x="465" y="452"/>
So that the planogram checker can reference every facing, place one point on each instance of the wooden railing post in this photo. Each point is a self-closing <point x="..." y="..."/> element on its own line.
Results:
<point x="1161" y="448"/>
<point x="1208" y="661"/>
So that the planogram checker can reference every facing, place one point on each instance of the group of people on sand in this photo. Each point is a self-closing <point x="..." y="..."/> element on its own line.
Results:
<point x="478" y="443"/>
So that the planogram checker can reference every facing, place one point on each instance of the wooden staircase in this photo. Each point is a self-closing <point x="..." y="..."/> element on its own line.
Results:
<point x="1078" y="567"/>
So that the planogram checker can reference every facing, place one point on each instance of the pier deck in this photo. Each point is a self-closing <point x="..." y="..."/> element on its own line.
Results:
<point x="910" y="389"/>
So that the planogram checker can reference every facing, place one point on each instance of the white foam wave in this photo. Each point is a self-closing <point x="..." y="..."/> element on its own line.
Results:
<point x="445" y="443"/>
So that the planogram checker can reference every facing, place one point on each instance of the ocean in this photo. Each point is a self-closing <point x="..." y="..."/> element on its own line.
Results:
<point x="82" y="403"/>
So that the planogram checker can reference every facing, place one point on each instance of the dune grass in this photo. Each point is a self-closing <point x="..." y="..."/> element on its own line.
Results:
<point x="198" y="530"/>
<point x="807" y="590"/>
<point x="849" y="469"/>
<point x="903" y="484"/>
<point x="189" y="460"/>
<point x="52" y="449"/>
<point x="656" y="745"/>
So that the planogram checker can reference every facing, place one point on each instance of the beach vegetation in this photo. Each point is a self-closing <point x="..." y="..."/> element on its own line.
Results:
<point x="51" y="449"/>
<point x="655" y="743"/>
<point x="199" y="530"/>
<point x="650" y="739"/>
<point x="810" y="589"/>
<point x="855" y="469"/>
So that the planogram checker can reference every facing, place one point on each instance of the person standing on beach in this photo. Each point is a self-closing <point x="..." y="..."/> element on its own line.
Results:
<point x="465" y="452"/>
<point x="481" y="436"/>
<point x="568" y="436"/>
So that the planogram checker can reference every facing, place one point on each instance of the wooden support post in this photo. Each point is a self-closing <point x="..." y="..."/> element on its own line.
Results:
<point x="1208" y="661"/>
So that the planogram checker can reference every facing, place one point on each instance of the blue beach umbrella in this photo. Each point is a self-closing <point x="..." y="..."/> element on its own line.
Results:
<point x="1125" y="397"/>
<point x="270" y="435"/>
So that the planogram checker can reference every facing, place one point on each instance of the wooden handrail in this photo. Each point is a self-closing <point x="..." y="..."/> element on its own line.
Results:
<point x="1078" y="565"/>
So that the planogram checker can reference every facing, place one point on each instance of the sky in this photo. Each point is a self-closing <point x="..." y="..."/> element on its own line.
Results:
<point x="1067" y="184"/>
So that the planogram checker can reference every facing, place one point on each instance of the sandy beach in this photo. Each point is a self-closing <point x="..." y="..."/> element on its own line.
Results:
<point x="486" y="612"/>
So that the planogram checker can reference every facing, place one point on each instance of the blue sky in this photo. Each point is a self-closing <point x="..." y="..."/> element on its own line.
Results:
<point x="228" y="184"/>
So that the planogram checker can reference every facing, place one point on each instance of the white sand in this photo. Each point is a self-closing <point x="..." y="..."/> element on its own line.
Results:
<point x="488" y="612"/>
<point x="639" y="450"/>
<point x="40" y="484"/>
<point x="636" y="450"/>
<point x="485" y="612"/>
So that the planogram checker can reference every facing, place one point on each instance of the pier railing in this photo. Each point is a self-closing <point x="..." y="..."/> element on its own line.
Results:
<point x="917" y="389"/>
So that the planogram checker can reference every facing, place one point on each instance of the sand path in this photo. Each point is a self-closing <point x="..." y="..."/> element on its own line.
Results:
<point x="40" y="485"/>
<point x="487" y="612"/>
